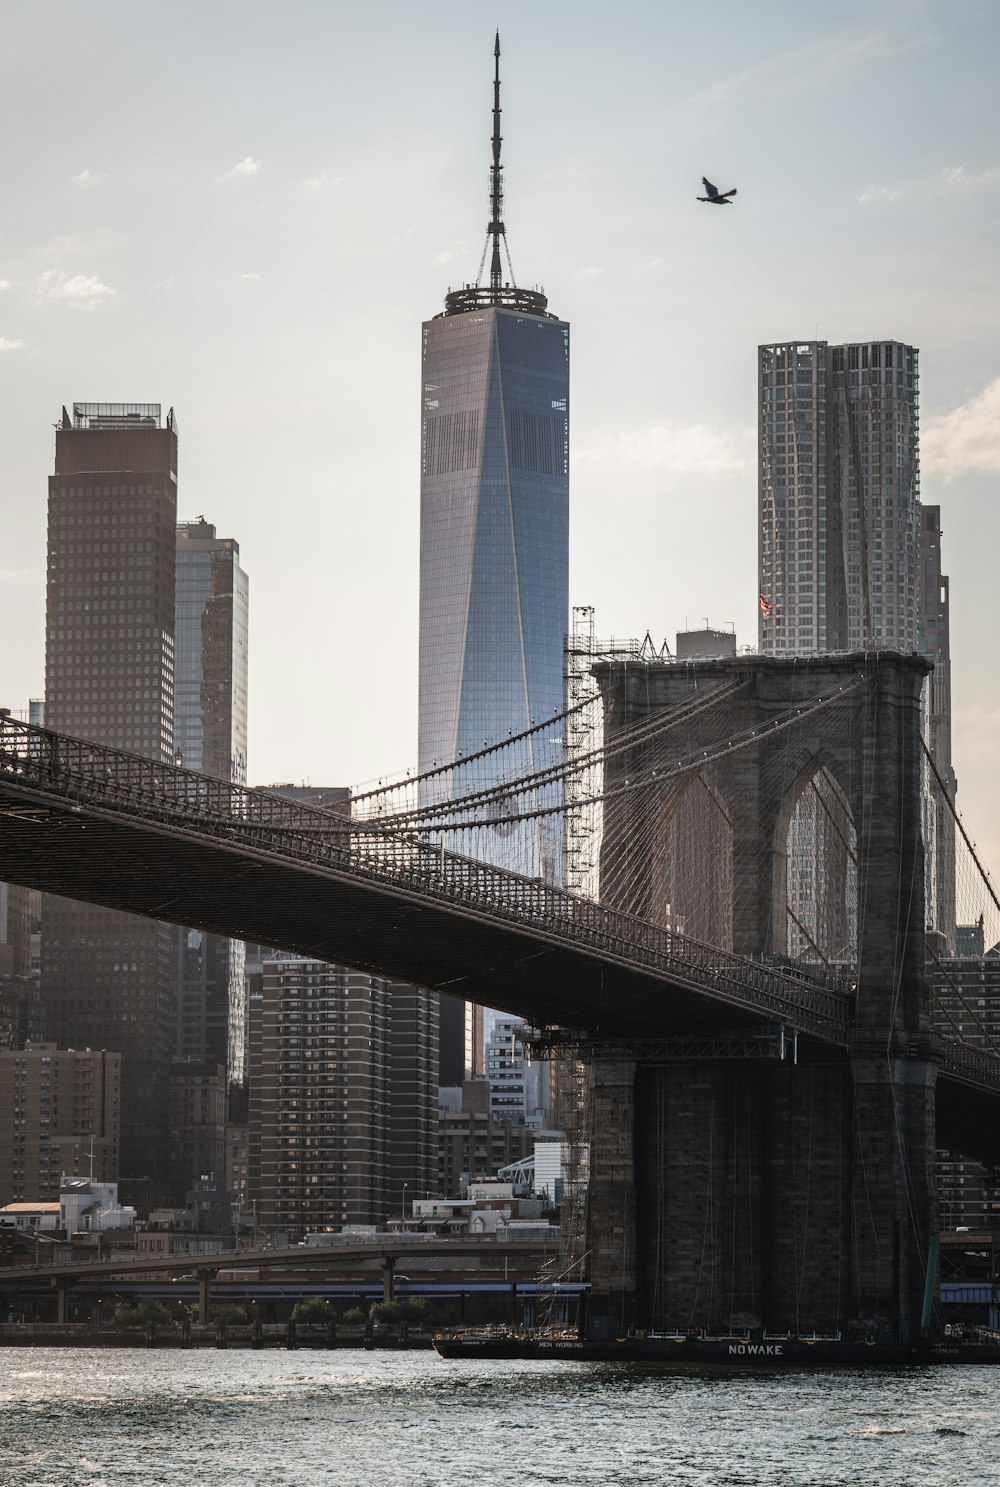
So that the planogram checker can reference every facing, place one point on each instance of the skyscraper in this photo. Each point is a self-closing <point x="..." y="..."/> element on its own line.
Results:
<point x="494" y="532"/>
<point x="343" y="1107"/>
<point x="848" y="560"/>
<point x="107" y="979"/>
<point x="839" y="496"/>
<point x="210" y="734"/>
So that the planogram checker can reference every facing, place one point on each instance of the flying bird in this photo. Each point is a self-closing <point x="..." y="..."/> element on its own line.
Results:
<point x="715" y="196"/>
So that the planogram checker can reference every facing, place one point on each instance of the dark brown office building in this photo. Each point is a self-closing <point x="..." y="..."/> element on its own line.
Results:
<point x="107" y="978"/>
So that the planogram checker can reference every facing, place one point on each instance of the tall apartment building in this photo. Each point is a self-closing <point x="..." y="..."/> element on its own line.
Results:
<point x="210" y="735"/>
<point x="108" y="979"/>
<point x="848" y="560"/>
<point x="494" y="542"/>
<point x="60" y="1112"/>
<point x="343" y="1107"/>
<point x="839" y="496"/>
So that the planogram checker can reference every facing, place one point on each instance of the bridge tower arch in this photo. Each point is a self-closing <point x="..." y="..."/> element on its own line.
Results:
<point x="726" y="1188"/>
<point x="814" y="856"/>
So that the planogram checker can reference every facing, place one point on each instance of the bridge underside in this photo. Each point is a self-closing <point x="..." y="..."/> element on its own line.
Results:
<point x="183" y="877"/>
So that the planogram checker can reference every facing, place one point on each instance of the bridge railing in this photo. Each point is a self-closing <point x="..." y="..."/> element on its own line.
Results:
<point x="81" y="771"/>
<point x="975" y="1066"/>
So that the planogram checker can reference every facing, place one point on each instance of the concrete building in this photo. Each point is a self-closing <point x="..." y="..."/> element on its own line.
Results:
<point x="473" y="1143"/>
<point x="107" y="979"/>
<point x="61" y="1110"/>
<point x="342" y="1094"/>
<point x="494" y="549"/>
<point x="210" y="735"/>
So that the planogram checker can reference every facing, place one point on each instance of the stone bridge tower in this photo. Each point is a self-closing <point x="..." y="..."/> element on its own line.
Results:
<point x="730" y="1191"/>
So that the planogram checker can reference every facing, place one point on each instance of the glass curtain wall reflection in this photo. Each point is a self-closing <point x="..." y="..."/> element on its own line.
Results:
<point x="210" y="734"/>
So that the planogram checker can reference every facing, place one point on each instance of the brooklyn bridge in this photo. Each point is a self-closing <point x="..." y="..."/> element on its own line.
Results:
<point x="766" y="1082"/>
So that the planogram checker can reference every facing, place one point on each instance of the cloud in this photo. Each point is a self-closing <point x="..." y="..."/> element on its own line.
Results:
<point x="590" y="271"/>
<point x="88" y="177"/>
<point x="164" y="286"/>
<point x="6" y="345"/>
<point x="79" y="291"/>
<point x="965" y="440"/>
<point x="250" y="278"/>
<point x="321" y="183"/>
<point x="676" y="449"/>
<point x="952" y="177"/>
<point x="4" y="283"/>
<point x="243" y="168"/>
<point x="457" y="250"/>
<point x="957" y="175"/>
<point x="880" y="193"/>
<point x="808" y="67"/>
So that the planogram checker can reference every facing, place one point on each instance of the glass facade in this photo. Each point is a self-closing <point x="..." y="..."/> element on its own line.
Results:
<point x="210" y="734"/>
<point x="107" y="979"/>
<point x="494" y="550"/>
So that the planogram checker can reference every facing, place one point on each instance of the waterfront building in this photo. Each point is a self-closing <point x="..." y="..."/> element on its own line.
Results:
<point x="89" y="1206"/>
<point x="210" y="735"/>
<point x="60" y="1111"/>
<point x="108" y="979"/>
<point x="494" y="549"/>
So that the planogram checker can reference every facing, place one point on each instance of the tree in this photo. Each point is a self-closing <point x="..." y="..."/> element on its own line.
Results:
<point x="312" y="1309"/>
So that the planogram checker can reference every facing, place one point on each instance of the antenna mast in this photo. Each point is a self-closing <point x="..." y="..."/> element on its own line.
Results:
<point x="496" y="228"/>
<point x="504" y="296"/>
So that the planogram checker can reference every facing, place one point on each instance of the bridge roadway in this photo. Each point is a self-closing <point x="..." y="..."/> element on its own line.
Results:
<point x="107" y="827"/>
<point x="513" y="1257"/>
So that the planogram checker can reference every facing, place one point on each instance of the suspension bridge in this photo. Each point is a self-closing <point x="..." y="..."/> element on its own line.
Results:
<point x="742" y="937"/>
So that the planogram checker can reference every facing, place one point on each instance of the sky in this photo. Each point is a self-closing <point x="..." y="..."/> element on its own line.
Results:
<point x="245" y="211"/>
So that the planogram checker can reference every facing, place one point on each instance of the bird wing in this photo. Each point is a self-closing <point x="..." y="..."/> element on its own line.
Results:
<point x="712" y="190"/>
<point x="727" y="193"/>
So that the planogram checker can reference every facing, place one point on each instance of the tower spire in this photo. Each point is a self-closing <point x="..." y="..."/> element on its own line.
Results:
<point x="505" y="295"/>
<point x="496" y="228"/>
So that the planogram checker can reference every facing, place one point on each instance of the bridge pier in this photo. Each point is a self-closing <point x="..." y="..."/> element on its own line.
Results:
<point x="205" y="1278"/>
<point x="388" y="1277"/>
<point x="611" y="1198"/>
<point x="62" y="1300"/>
<point x="739" y="1194"/>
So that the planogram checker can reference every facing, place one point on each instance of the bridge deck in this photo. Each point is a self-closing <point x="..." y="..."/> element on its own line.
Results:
<point x="110" y="828"/>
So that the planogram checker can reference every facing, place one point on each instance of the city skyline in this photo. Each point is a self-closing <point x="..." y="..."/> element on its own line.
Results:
<point x="299" y="228"/>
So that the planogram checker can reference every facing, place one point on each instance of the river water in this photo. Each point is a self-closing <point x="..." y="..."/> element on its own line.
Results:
<point x="96" y="1418"/>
